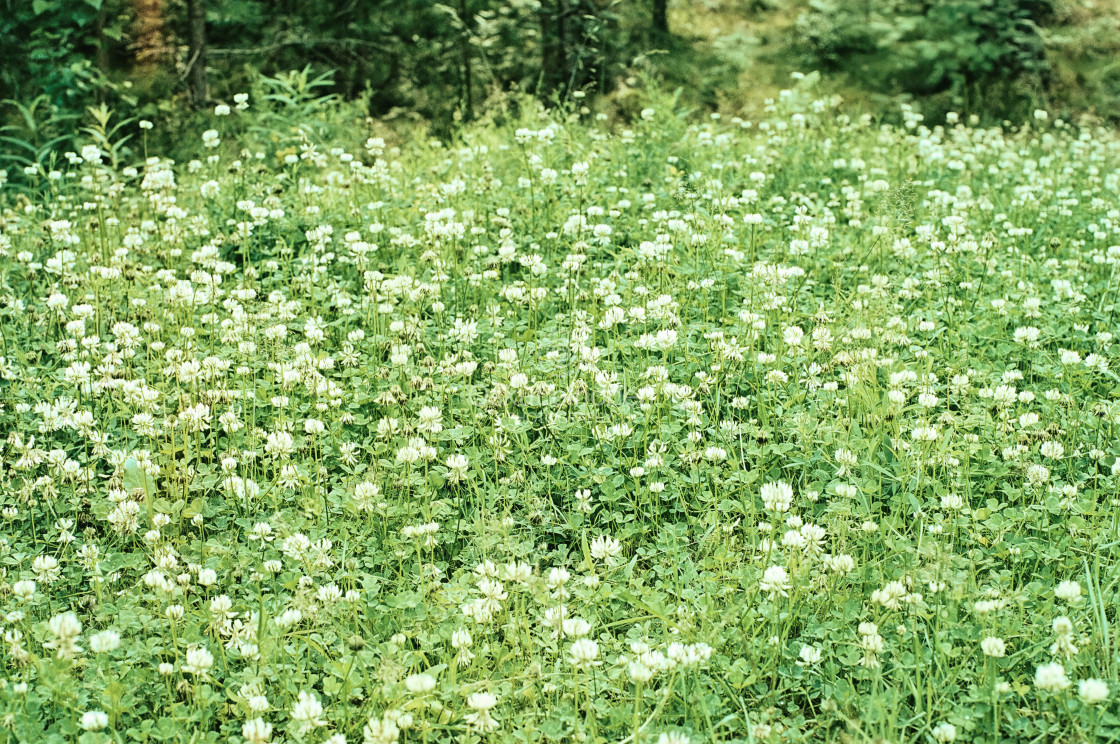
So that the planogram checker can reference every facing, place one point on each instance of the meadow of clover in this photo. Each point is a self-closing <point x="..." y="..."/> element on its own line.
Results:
<point x="676" y="430"/>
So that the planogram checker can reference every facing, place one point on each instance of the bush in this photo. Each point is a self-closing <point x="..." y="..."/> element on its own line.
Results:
<point x="959" y="49"/>
<point x="831" y="33"/>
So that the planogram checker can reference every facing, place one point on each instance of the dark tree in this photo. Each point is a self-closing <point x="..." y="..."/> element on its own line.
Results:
<point x="554" y="55"/>
<point x="661" y="17"/>
<point x="196" y="52"/>
<point x="465" y="61"/>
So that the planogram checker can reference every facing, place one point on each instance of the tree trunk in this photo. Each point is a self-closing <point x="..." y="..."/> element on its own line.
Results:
<point x="661" y="17"/>
<point x="102" y="43"/>
<point x="150" y="31"/>
<point x="196" y="51"/>
<point x="562" y="45"/>
<point x="551" y="51"/>
<point x="465" y="55"/>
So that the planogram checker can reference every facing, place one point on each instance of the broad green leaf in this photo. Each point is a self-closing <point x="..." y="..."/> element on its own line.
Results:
<point x="135" y="478"/>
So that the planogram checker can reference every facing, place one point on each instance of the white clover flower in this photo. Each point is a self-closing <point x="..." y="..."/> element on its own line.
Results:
<point x="1065" y="644"/>
<point x="575" y="627"/>
<point x="518" y="572"/>
<point x="994" y="647"/>
<point x="1038" y="474"/>
<point x="809" y="655"/>
<point x="256" y="731"/>
<point x="792" y="335"/>
<point x="105" y="641"/>
<point x="198" y="661"/>
<point x="871" y="643"/>
<point x="65" y="629"/>
<point x="366" y="495"/>
<point x="890" y="595"/>
<point x="457" y="466"/>
<point x="308" y="711"/>
<point x="639" y="673"/>
<point x="24" y="589"/>
<point x="93" y="720"/>
<point x="605" y="547"/>
<point x="1068" y="591"/>
<point x="1052" y="449"/>
<point x="1092" y="691"/>
<point x="46" y="569"/>
<point x="382" y="730"/>
<point x="673" y="737"/>
<point x="944" y="732"/>
<point x="777" y="497"/>
<point x="1051" y="677"/>
<point x="481" y="704"/>
<point x="420" y="683"/>
<point x="584" y="653"/>
<point x="461" y="641"/>
<point x="775" y="582"/>
<point x="952" y="502"/>
<point x="493" y="593"/>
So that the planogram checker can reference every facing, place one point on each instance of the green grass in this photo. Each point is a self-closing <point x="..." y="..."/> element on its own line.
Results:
<point x="797" y="429"/>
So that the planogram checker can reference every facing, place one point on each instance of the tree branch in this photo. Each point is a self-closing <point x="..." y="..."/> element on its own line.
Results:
<point x="299" y="42"/>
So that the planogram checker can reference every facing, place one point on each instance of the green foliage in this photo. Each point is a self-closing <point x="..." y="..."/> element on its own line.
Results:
<point x="978" y="43"/>
<point x="980" y="55"/>
<point x="1085" y="57"/>
<point x="444" y="62"/>
<point x="36" y="143"/>
<point x="296" y="102"/>
<point x="36" y="137"/>
<point x="51" y="48"/>
<point x="832" y="32"/>
<point x="686" y="430"/>
<point x="109" y="136"/>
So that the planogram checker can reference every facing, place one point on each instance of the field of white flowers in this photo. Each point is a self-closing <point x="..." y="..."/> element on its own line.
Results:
<point x="691" y="430"/>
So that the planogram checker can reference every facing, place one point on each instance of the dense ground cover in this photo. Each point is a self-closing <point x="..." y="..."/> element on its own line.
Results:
<point x="696" y="431"/>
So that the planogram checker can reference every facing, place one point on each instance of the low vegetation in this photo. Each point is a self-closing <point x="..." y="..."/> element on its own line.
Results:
<point x="801" y="428"/>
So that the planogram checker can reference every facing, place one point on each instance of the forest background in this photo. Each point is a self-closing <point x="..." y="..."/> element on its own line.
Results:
<point x="418" y="63"/>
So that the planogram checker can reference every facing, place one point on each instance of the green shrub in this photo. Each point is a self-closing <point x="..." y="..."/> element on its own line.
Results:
<point x="984" y="56"/>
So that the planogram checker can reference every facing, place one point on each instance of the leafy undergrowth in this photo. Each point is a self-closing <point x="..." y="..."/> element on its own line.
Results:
<point x="734" y="55"/>
<point x="792" y="430"/>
